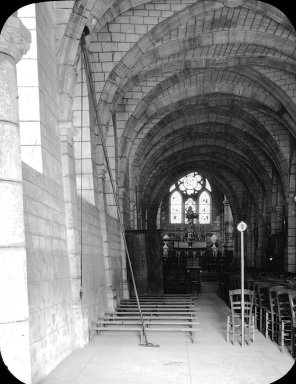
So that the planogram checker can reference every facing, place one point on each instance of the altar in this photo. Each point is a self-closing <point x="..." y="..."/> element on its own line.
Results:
<point x="192" y="245"/>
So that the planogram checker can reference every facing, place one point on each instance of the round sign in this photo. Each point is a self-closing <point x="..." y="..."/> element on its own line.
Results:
<point x="242" y="226"/>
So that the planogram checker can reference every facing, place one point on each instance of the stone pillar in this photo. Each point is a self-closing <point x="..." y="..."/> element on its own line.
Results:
<point x="101" y="203"/>
<point x="80" y="316"/>
<point x="262" y="235"/>
<point x="124" y="262"/>
<point x="228" y="226"/>
<point x="261" y="247"/>
<point x="134" y="213"/>
<point x="249" y="238"/>
<point x="275" y="207"/>
<point x="14" y="307"/>
<point x="290" y="263"/>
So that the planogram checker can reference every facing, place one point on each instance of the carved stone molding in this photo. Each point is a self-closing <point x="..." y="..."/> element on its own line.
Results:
<point x="101" y="171"/>
<point x="67" y="130"/>
<point x="15" y="38"/>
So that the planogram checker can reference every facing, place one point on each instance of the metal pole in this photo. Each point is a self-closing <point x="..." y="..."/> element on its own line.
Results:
<point x="242" y="289"/>
<point x="102" y="140"/>
<point x="242" y="227"/>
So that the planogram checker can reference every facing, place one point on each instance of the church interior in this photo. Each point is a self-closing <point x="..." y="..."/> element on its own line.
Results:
<point x="147" y="158"/>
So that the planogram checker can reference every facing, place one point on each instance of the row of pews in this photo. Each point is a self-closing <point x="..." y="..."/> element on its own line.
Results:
<point x="161" y="313"/>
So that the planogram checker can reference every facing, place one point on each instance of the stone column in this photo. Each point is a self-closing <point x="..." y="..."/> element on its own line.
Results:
<point x="102" y="204"/>
<point x="14" y="307"/>
<point x="80" y="318"/>
<point x="133" y="210"/>
<point x="228" y="225"/>
<point x="124" y="263"/>
<point x="290" y="262"/>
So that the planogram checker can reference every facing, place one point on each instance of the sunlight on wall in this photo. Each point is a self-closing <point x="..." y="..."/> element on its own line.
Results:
<point x="28" y="90"/>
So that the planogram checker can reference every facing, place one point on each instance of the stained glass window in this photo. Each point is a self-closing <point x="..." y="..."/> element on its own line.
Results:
<point x="189" y="203"/>
<point x="192" y="190"/>
<point x="204" y="208"/>
<point x="191" y="183"/>
<point x="176" y="207"/>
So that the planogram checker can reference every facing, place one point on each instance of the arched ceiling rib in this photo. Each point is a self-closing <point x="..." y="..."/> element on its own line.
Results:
<point x="235" y="158"/>
<point x="226" y="181"/>
<point x="201" y="100"/>
<point x="145" y="49"/>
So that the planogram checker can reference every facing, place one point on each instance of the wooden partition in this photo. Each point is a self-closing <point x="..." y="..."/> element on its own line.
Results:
<point x="145" y="248"/>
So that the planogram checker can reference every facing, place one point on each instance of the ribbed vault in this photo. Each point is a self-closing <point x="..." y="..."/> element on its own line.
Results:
<point x="207" y="104"/>
<point x="205" y="88"/>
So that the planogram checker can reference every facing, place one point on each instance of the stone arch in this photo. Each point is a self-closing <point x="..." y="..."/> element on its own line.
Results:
<point x="148" y="41"/>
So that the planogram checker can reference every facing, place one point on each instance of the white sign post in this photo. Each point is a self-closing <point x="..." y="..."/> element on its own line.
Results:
<point x="241" y="228"/>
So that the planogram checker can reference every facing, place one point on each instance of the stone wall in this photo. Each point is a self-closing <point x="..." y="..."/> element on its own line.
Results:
<point x="49" y="281"/>
<point x="115" y="257"/>
<point x="93" y="267"/>
<point x="53" y="332"/>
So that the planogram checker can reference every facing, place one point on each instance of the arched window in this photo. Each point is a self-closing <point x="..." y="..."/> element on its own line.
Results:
<point x="204" y="207"/>
<point x="190" y="190"/>
<point x="176" y="207"/>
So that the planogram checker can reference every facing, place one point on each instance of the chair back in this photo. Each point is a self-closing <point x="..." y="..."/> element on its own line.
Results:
<point x="272" y="290"/>
<point x="284" y="309"/>
<point x="256" y="285"/>
<point x="292" y="301"/>
<point x="263" y="295"/>
<point x="235" y="296"/>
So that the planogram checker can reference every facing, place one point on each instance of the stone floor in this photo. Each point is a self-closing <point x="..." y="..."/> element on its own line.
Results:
<point x="116" y="358"/>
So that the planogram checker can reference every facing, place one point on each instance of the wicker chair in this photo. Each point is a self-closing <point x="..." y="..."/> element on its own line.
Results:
<point x="272" y="321"/>
<point x="285" y="316"/>
<point x="234" y="317"/>
<point x="292" y="300"/>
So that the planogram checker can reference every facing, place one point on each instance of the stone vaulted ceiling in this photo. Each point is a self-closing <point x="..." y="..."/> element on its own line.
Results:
<point x="205" y="87"/>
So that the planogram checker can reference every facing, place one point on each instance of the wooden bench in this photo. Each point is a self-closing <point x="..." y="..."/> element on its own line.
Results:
<point x="165" y="296"/>
<point x="148" y="318"/>
<point x="188" y="330"/>
<point x="147" y="323"/>
<point x="153" y="313"/>
<point x="161" y="300"/>
<point x="155" y="309"/>
<point x="177" y="306"/>
<point x="169" y="313"/>
<point x="158" y="303"/>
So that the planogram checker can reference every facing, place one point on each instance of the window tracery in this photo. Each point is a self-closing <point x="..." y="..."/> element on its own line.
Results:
<point x="192" y="190"/>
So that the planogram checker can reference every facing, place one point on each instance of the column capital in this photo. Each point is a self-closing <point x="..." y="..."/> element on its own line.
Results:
<point x="15" y="38"/>
<point x="101" y="171"/>
<point x="67" y="130"/>
<point x="226" y="202"/>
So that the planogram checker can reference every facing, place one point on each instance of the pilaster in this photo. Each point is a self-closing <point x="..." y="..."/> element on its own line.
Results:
<point x="290" y="262"/>
<point x="14" y="314"/>
<point x="80" y="317"/>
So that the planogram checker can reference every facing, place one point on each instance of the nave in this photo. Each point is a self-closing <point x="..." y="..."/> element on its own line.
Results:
<point x="116" y="357"/>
